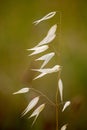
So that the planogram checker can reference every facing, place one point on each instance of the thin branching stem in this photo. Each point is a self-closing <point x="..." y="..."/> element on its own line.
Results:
<point x="49" y="100"/>
<point x="39" y="92"/>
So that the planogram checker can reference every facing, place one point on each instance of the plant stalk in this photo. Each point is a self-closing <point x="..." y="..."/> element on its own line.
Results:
<point x="57" y="109"/>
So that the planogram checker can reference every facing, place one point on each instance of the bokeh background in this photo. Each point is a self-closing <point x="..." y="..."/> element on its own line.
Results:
<point x="17" y="33"/>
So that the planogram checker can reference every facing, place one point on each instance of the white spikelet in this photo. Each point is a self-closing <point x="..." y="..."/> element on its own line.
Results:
<point x="52" y="30"/>
<point x="64" y="127"/>
<point x="56" y="68"/>
<point x="38" y="50"/>
<point x="31" y="105"/>
<point x="66" y="105"/>
<point x="60" y="85"/>
<point x="49" y="37"/>
<point x="48" y="16"/>
<point x="46" y="58"/>
<point x="23" y="90"/>
<point x="47" y="40"/>
<point x="37" y="112"/>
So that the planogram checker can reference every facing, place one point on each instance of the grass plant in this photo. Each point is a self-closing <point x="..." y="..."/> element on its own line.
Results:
<point x="43" y="46"/>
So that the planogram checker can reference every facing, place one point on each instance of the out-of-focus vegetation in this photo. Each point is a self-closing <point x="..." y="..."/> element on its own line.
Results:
<point x="17" y="33"/>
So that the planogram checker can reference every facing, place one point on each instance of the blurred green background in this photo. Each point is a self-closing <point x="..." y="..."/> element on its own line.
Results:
<point x="17" y="33"/>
